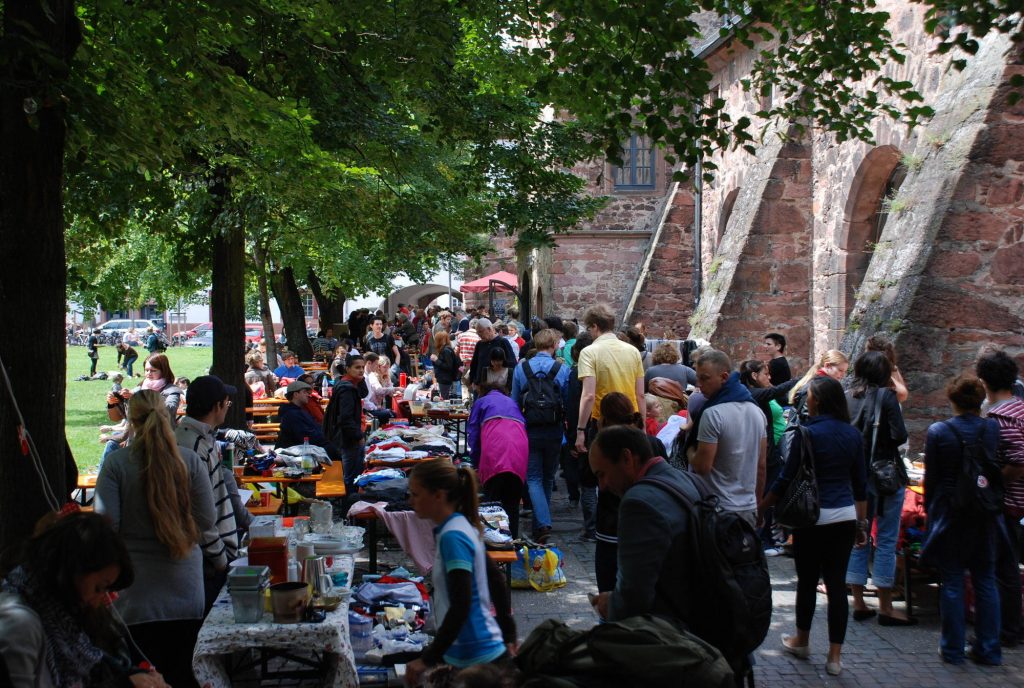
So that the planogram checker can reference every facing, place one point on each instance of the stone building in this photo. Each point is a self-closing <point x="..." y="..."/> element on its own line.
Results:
<point x="919" y="235"/>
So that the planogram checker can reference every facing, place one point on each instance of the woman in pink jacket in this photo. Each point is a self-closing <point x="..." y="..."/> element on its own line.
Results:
<point x="498" y="447"/>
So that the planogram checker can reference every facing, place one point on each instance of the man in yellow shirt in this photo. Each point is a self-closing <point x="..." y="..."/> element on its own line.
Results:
<point x="608" y="365"/>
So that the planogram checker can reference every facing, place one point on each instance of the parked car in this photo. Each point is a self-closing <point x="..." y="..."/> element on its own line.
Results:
<point x="120" y="326"/>
<point x="199" y="330"/>
<point x="201" y="340"/>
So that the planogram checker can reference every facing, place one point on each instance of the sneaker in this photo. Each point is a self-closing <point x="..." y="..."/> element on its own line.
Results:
<point x="772" y="552"/>
<point x="588" y="537"/>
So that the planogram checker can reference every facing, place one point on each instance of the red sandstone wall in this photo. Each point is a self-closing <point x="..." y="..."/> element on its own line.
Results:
<point x="666" y="298"/>
<point x="770" y="290"/>
<point x="972" y="292"/>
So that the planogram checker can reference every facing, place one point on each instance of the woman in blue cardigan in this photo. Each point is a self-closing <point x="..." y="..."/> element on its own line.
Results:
<point x="960" y="538"/>
<point x="823" y="550"/>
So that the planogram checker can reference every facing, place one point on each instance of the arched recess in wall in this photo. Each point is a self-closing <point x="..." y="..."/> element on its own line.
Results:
<point x="874" y="187"/>
<point x="723" y="217"/>
<point x="538" y="308"/>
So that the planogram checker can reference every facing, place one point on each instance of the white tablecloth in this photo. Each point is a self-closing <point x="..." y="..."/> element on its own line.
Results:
<point x="220" y="636"/>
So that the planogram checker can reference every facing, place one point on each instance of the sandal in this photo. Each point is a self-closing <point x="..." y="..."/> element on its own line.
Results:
<point x="863" y="614"/>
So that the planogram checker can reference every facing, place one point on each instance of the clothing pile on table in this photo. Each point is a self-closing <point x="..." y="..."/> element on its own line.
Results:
<point x="399" y="604"/>
<point x="400" y="441"/>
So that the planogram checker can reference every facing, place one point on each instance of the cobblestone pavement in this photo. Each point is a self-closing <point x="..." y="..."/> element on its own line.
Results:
<point x="874" y="656"/>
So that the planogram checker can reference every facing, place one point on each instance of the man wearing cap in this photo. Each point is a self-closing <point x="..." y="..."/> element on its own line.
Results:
<point x="290" y="368"/>
<point x="207" y="402"/>
<point x="489" y="341"/>
<point x="298" y="424"/>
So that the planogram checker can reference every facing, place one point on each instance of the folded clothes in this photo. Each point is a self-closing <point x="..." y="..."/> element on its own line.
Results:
<point x="394" y="452"/>
<point x="395" y="593"/>
<point x="380" y="476"/>
<point x="388" y="444"/>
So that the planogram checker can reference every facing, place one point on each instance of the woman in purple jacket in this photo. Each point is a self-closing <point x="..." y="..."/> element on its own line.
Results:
<point x="498" y="447"/>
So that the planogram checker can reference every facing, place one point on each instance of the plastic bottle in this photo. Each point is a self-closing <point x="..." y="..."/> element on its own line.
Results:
<point x="307" y="460"/>
<point x="360" y="633"/>
<point x="325" y="388"/>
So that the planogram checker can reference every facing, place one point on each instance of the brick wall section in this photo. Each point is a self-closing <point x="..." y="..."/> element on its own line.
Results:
<point x="593" y="268"/>
<point x="770" y="289"/>
<point x="666" y="296"/>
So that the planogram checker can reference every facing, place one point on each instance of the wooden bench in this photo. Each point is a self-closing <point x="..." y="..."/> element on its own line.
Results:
<point x="333" y="483"/>
<point x="275" y="506"/>
<point x="266" y="433"/>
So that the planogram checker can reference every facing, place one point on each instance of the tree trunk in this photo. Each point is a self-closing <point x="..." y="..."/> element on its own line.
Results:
<point x="34" y="274"/>
<point x="293" y="315"/>
<point x="332" y="306"/>
<point x="260" y="257"/>
<point x="227" y="302"/>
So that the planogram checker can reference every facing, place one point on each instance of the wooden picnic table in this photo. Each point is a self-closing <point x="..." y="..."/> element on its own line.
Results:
<point x="282" y="484"/>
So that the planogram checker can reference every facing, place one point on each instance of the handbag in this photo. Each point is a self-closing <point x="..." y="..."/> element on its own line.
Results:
<point x="798" y="507"/>
<point x="884" y="474"/>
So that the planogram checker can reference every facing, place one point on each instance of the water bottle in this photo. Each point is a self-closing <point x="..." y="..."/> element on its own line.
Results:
<point x="325" y="388"/>
<point x="307" y="459"/>
<point x="360" y="634"/>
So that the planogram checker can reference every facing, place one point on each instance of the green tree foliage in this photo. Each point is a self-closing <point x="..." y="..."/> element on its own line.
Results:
<point x="354" y="137"/>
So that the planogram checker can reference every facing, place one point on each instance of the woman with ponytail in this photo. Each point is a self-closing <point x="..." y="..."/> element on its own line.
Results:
<point x="158" y="496"/>
<point x="467" y="583"/>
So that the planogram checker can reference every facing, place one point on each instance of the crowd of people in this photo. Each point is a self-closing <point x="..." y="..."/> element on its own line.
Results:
<point x="640" y="437"/>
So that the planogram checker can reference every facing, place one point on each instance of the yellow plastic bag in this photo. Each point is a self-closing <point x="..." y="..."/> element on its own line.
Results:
<point x="539" y="568"/>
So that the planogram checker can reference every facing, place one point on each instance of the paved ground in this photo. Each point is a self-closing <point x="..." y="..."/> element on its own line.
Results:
<point x="874" y="656"/>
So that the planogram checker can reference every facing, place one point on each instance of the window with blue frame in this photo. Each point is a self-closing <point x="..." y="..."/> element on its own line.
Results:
<point x="637" y="171"/>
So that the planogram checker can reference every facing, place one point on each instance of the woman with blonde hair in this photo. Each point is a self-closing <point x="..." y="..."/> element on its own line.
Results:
<point x="158" y="496"/>
<point x="833" y="363"/>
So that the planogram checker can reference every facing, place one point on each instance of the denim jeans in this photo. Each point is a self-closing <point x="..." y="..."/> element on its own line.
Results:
<point x="353" y="462"/>
<point x="108" y="448"/>
<point x="1008" y="578"/>
<point x="883" y="570"/>
<point x="980" y="560"/>
<point x="128" y="363"/>
<point x="542" y="466"/>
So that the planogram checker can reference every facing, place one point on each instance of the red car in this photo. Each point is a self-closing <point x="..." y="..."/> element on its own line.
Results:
<point x="198" y="330"/>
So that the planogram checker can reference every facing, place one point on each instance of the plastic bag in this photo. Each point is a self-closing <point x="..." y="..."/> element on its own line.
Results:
<point x="539" y="568"/>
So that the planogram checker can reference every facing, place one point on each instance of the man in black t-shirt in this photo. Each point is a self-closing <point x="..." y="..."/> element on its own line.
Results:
<point x="380" y="343"/>
<point x="778" y="366"/>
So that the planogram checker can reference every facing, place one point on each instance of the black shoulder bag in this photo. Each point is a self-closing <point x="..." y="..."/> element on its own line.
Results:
<point x="798" y="507"/>
<point x="884" y="473"/>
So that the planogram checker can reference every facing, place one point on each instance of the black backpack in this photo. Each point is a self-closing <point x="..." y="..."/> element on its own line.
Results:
<point x="979" y="484"/>
<point x="542" y="399"/>
<point x="733" y="610"/>
<point x="640" y="650"/>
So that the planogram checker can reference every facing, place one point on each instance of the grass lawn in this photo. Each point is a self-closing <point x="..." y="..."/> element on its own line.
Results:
<point x="87" y="402"/>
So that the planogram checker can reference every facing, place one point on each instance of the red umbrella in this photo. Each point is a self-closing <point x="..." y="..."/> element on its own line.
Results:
<point x="484" y="283"/>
